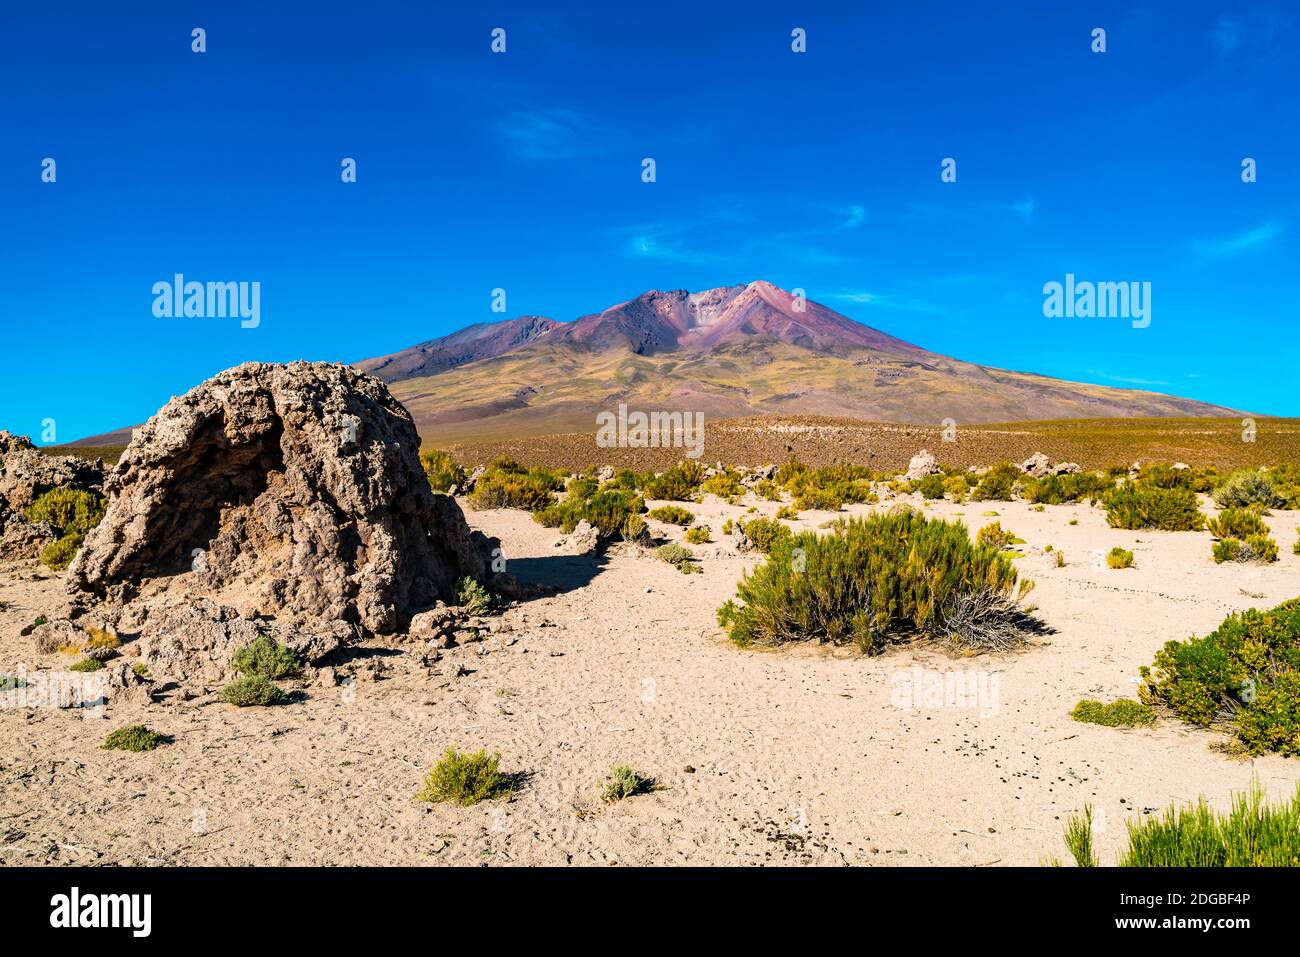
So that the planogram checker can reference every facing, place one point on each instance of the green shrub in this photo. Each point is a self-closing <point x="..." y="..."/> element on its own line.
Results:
<point x="672" y="515"/>
<point x="1244" y="676"/>
<point x="266" y="657"/>
<point x="635" y="529"/>
<point x="442" y="470"/>
<point x="994" y="536"/>
<point x="680" y="557"/>
<point x="998" y="483"/>
<point x="473" y="596"/>
<point x="624" y="782"/>
<point x="87" y="664"/>
<point x="610" y="511"/>
<point x="768" y="489"/>
<point x="135" y="738"/>
<point x="1166" y="476"/>
<point x="465" y="779"/>
<point x="1119" y="558"/>
<point x="1246" y="488"/>
<point x="1252" y="834"/>
<point x="73" y="513"/>
<point x="1060" y="559"/>
<point x="507" y="484"/>
<point x="1059" y="489"/>
<point x="787" y="513"/>
<point x="819" y="500"/>
<point x="1123" y="713"/>
<point x="724" y="485"/>
<point x="252" y="691"/>
<point x="678" y="484"/>
<point x="764" y="533"/>
<point x="957" y="487"/>
<point x="931" y="486"/>
<point x="1134" y="505"/>
<point x="699" y="535"/>
<point x="1078" y="839"/>
<point x="728" y="526"/>
<point x="1253" y="548"/>
<point x="871" y="580"/>
<point x="1236" y="523"/>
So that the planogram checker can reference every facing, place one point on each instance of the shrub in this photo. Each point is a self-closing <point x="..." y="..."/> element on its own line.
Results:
<point x="252" y="691"/>
<point x="788" y="513"/>
<point x="624" y="782"/>
<point x="73" y="513"/>
<point x="1060" y="559"/>
<point x="87" y="664"/>
<point x="1244" y="676"/>
<point x="679" y="484"/>
<point x="266" y="657"/>
<point x="635" y="529"/>
<point x="728" y="526"/>
<point x="931" y="486"/>
<point x="820" y="499"/>
<point x="1166" y="476"/>
<point x="764" y="533"/>
<point x="1059" y="489"/>
<point x="1119" y="558"/>
<point x="442" y="470"/>
<point x="768" y="489"/>
<point x="1134" y="505"/>
<point x="699" y="535"/>
<point x="140" y="669"/>
<point x="995" y="536"/>
<point x="507" y="484"/>
<point x="465" y="779"/>
<point x="672" y="515"/>
<point x="102" y="644"/>
<point x="957" y="487"/>
<point x="724" y="485"/>
<point x="679" y="557"/>
<point x="870" y="580"/>
<point x="1252" y="834"/>
<point x="1123" y="713"/>
<point x="998" y="483"/>
<point x="1248" y="487"/>
<point x="1236" y="523"/>
<point x="612" y="511"/>
<point x="135" y="738"/>
<point x="1253" y="548"/>
<point x="473" y="596"/>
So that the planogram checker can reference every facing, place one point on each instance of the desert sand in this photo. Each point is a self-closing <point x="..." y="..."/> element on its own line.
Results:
<point x="799" y="756"/>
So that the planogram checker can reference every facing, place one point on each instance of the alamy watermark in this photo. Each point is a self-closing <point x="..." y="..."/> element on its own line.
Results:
<point x="651" y="430"/>
<point x="1098" y="300"/>
<point x="213" y="300"/>
<point x="917" y="689"/>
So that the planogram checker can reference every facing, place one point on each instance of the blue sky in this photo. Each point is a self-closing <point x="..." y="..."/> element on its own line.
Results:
<point x="522" y="171"/>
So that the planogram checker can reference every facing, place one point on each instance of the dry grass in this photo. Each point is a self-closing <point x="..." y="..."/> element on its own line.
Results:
<point x="1092" y="443"/>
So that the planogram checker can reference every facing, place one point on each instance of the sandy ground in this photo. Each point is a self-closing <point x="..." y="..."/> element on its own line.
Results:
<point x="790" y="757"/>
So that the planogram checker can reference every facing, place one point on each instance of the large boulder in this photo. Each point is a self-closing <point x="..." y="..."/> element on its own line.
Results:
<point x="1037" y="465"/>
<point x="27" y="473"/>
<point x="921" y="465"/>
<point x="290" y="492"/>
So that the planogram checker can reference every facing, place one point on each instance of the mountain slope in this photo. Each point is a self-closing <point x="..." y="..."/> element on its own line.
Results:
<point x="730" y="351"/>
<point x="480" y="341"/>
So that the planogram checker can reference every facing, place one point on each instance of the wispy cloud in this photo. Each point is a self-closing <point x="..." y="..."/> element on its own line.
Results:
<point x="1233" y="245"/>
<point x="1124" y="379"/>
<point x="1252" y="33"/>
<point x="556" y="133"/>
<point x="880" y="300"/>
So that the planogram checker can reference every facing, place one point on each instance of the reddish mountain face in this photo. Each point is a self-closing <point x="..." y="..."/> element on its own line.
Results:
<point x="483" y="340"/>
<point x="696" y="322"/>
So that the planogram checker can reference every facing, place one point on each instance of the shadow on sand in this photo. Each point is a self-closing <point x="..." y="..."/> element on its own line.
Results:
<point x="560" y="572"/>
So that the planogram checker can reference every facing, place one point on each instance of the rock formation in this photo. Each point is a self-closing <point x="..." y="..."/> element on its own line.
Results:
<point x="291" y="492"/>
<point x="921" y="465"/>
